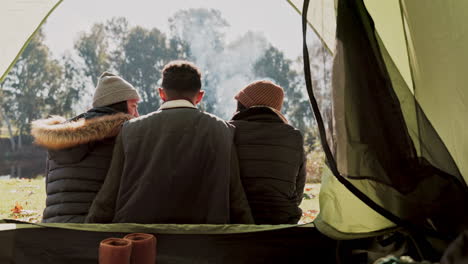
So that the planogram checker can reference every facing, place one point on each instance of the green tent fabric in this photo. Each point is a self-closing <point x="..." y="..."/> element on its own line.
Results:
<point x="321" y="18"/>
<point x="392" y="144"/>
<point x="374" y="148"/>
<point x="343" y="215"/>
<point x="426" y="42"/>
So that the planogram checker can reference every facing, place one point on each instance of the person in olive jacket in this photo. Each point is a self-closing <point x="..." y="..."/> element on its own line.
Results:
<point x="271" y="156"/>
<point x="80" y="149"/>
<point x="176" y="165"/>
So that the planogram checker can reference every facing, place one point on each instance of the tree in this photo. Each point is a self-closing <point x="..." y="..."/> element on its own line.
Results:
<point x="4" y="117"/>
<point x="145" y="52"/>
<point x="202" y="31"/>
<point x="273" y="65"/>
<point x="62" y="98"/>
<point x="36" y="85"/>
<point x="135" y="53"/>
<point x="321" y="70"/>
<point x="93" y="48"/>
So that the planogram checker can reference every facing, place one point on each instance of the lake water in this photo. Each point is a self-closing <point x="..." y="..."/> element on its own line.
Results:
<point x="26" y="167"/>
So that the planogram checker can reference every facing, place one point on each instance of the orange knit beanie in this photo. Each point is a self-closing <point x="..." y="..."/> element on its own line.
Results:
<point x="261" y="93"/>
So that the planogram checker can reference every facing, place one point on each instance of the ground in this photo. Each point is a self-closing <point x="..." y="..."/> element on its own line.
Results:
<point x="310" y="203"/>
<point x="24" y="199"/>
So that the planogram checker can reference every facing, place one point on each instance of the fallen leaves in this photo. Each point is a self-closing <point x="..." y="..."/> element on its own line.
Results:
<point x="22" y="199"/>
<point x="308" y="216"/>
<point x="17" y="209"/>
<point x="310" y="203"/>
<point x="19" y="213"/>
<point x="308" y="196"/>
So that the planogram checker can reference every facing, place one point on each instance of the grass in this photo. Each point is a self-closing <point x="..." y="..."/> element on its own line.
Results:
<point x="24" y="200"/>
<point x="314" y="165"/>
<point x="310" y="203"/>
<point x="3" y="130"/>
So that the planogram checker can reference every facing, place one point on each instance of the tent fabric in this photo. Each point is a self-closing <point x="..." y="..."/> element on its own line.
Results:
<point x="426" y="42"/>
<point x="27" y="17"/>
<point x="159" y="228"/>
<point x="389" y="27"/>
<point x="322" y="19"/>
<point x="26" y="243"/>
<point x="437" y="40"/>
<point x="343" y="215"/>
<point x="373" y="135"/>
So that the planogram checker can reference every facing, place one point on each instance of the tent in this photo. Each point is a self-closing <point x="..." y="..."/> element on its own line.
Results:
<point x="396" y="146"/>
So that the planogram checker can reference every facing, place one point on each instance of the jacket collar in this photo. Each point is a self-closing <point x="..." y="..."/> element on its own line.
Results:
<point x="181" y="103"/>
<point x="254" y="112"/>
<point x="96" y="112"/>
<point x="58" y="133"/>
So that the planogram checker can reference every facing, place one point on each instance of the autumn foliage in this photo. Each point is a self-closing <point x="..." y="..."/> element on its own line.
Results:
<point x="17" y="209"/>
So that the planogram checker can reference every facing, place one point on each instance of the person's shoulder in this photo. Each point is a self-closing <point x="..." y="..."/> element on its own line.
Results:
<point x="212" y="118"/>
<point x="141" y="119"/>
<point x="293" y="131"/>
<point x="239" y="124"/>
<point x="286" y="131"/>
<point x="215" y="122"/>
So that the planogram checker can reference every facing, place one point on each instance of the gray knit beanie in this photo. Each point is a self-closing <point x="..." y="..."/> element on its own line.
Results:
<point x="112" y="89"/>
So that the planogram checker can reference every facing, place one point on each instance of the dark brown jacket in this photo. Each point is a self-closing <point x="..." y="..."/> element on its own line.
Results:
<point x="272" y="165"/>
<point x="176" y="165"/>
<point x="79" y="155"/>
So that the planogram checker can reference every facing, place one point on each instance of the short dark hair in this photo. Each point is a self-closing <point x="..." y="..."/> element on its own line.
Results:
<point x="240" y="106"/>
<point x="181" y="77"/>
<point x="119" y="107"/>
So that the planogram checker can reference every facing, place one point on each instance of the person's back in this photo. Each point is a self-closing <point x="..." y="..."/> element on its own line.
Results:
<point x="80" y="150"/>
<point x="271" y="157"/>
<point x="175" y="165"/>
<point x="180" y="160"/>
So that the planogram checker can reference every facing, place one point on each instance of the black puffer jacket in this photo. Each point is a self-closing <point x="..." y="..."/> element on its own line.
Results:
<point x="272" y="165"/>
<point x="80" y="151"/>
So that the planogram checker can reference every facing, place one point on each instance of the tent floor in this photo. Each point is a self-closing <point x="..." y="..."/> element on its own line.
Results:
<point x="58" y="245"/>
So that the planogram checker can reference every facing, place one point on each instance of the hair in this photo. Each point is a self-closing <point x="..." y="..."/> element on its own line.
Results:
<point x="240" y="106"/>
<point x="181" y="78"/>
<point x="119" y="107"/>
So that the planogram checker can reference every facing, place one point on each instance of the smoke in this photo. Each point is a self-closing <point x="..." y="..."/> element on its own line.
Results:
<point x="227" y="67"/>
<point x="235" y="69"/>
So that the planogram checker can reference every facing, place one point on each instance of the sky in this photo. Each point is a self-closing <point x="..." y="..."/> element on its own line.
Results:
<point x="276" y="19"/>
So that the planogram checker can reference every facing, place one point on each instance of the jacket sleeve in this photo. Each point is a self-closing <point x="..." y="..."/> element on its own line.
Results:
<point x="103" y="207"/>
<point x="301" y="179"/>
<point x="47" y="169"/>
<point x="240" y="210"/>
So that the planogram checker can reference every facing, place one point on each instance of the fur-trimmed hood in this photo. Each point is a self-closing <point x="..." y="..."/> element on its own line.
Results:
<point x="56" y="133"/>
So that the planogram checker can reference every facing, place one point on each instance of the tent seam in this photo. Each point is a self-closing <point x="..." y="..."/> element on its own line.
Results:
<point x="2" y="78"/>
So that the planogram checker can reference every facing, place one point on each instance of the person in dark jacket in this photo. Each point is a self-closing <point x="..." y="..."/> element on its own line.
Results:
<point x="271" y="156"/>
<point x="80" y="149"/>
<point x="176" y="165"/>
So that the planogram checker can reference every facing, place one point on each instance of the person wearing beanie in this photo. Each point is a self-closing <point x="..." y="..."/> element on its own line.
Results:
<point x="271" y="155"/>
<point x="177" y="165"/>
<point x="80" y="149"/>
